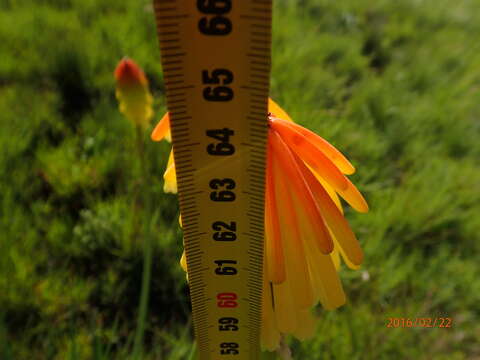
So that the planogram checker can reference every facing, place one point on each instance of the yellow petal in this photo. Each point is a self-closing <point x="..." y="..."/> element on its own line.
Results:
<point x="183" y="261"/>
<point x="350" y="195"/>
<point x="326" y="281"/>
<point x="326" y="284"/>
<point x="333" y="217"/>
<point x="354" y="197"/>
<point x="306" y="324"/>
<point x="269" y="334"/>
<point x="170" y="159"/>
<point x="347" y="261"/>
<point x="283" y="300"/>
<point x="331" y="192"/>
<point x="276" y="110"/>
<point x="335" y="254"/>
<point x="170" y="176"/>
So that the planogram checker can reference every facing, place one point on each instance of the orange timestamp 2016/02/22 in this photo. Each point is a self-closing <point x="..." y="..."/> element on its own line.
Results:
<point x="420" y="322"/>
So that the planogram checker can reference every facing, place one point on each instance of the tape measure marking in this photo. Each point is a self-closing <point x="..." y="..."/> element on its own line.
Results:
<point x="216" y="62"/>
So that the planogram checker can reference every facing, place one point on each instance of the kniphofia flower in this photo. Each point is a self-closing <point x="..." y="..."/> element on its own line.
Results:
<point x="306" y="233"/>
<point x="133" y="93"/>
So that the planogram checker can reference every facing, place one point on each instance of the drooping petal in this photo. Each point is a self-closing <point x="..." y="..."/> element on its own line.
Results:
<point x="351" y="194"/>
<point x="273" y="247"/>
<point x="333" y="217"/>
<point x="183" y="261"/>
<point x="310" y="154"/>
<point x="301" y="241"/>
<point x="345" y="258"/>
<point x="302" y="192"/>
<point x="335" y="254"/>
<point x="328" y="291"/>
<point x="269" y="334"/>
<point x="284" y="303"/>
<point x="295" y="259"/>
<point x="170" y="176"/>
<point x="325" y="279"/>
<point x="306" y="324"/>
<point x="331" y="192"/>
<point x="354" y="197"/>
<point x="162" y="130"/>
<point x="328" y="149"/>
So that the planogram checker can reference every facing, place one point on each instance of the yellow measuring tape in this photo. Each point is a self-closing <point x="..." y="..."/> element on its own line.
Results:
<point x="216" y="62"/>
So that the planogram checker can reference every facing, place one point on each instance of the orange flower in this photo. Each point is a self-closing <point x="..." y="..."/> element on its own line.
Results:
<point x="305" y="230"/>
<point x="132" y="92"/>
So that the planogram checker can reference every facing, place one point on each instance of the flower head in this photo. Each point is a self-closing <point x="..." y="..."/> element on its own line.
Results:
<point x="306" y="233"/>
<point x="132" y="92"/>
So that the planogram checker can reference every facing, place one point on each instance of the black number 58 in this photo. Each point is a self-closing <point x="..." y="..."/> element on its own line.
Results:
<point x="229" y="348"/>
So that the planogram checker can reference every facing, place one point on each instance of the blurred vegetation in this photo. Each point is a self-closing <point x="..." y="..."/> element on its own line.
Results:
<point x="393" y="84"/>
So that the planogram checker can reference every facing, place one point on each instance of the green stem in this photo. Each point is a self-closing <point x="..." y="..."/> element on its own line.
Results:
<point x="142" y="207"/>
<point x="140" y="144"/>
<point x="143" y="306"/>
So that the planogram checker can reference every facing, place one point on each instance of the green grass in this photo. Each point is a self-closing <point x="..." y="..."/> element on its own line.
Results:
<point x="393" y="84"/>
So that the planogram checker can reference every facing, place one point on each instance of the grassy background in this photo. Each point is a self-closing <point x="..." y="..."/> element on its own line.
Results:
<point x="393" y="84"/>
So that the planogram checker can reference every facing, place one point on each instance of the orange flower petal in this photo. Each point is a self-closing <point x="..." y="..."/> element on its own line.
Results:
<point x="330" y="191"/>
<point x="354" y="197"/>
<point x="302" y="191"/>
<point x="274" y="248"/>
<point x="323" y="145"/>
<point x="162" y="128"/>
<point x="295" y="260"/>
<point x="333" y="217"/>
<point x="310" y="154"/>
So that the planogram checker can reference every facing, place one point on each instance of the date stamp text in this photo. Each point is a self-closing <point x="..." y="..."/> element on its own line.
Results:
<point x="426" y="322"/>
